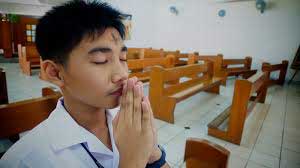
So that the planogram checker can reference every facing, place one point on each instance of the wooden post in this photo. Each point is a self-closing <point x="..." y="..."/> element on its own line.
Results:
<point x="156" y="89"/>
<point x="6" y="39"/>
<point x="248" y="62"/>
<point x="3" y="87"/>
<point x="283" y="70"/>
<point x="238" y="112"/>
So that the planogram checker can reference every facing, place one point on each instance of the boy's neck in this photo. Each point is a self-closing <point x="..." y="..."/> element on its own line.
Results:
<point x="91" y="118"/>
<point x="86" y="115"/>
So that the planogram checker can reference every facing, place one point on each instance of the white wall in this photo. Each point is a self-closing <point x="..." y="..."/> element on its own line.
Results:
<point x="271" y="36"/>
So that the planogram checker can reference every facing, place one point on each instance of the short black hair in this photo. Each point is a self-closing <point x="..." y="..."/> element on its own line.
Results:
<point x="62" y="28"/>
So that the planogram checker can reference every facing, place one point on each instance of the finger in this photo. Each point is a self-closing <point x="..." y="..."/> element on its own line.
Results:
<point x="123" y="103"/>
<point x="129" y="102"/>
<point x="137" y="114"/>
<point x="146" y="117"/>
<point x="154" y="130"/>
<point x="135" y="80"/>
<point x="142" y="87"/>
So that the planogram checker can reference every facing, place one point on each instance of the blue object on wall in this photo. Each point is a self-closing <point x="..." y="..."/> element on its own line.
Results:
<point x="174" y="10"/>
<point x="260" y="5"/>
<point x="222" y="13"/>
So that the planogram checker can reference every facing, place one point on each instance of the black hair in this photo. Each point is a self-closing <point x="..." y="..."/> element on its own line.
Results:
<point x="62" y="28"/>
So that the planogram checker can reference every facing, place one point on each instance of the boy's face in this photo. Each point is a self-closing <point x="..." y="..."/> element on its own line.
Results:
<point x="96" y="70"/>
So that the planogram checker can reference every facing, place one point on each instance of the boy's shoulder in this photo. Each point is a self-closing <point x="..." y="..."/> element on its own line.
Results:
<point x="34" y="144"/>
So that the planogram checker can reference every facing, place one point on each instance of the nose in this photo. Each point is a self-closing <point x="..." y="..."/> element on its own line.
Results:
<point x="119" y="73"/>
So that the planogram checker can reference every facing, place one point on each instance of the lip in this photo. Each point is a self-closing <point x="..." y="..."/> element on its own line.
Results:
<point x="118" y="92"/>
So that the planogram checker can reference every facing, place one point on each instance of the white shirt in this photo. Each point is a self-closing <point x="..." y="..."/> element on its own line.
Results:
<point x="56" y="143"/>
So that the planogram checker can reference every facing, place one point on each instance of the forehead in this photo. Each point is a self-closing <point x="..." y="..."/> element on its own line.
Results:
<point x="109" y="36"/>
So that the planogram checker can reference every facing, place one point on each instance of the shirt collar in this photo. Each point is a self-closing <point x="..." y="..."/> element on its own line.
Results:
<point x="65" y="132"/>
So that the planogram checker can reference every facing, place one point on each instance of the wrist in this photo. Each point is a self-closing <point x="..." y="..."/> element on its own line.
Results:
<point x="129" y="163"/>
<point x="155" y="156"/>
<point x="160" y="162"/>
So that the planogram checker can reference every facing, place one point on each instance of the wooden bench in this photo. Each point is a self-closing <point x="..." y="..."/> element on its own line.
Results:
<point x="141" y="53"/>
<point x="177" y="55"/>
<point x="152" y="53"/>
<point x="141" y="67"/>
<point x="229" y="124"/>
<point x="200" y="153"/>
<point x="164" y="97"/>
<point x="182" y="58"/>
<point x="215" y="59"/>
<point x="244" y="69"/>
<point x="282" y="68"/>
<point x="135" y="53"/>
<point x="21" y="116"/>
<point x="3" y="87"/>
<point x="29" y="58"/>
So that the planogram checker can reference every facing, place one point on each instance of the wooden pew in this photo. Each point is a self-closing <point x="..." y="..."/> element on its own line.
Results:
<point x="141" y="53"/>
<point x="141" y="67"/>
<point x="282" y="68"/>
<point x="215" y="59"/>
<point x="200" y="153"/>
<point x="153" y="53"/>
<point x="3" y="87"/>
<point x="20" y="55"/>
<point x="176" y="54"/>
<point x="182" y="58"/>
<point x="24" y="115"/>
<point x="244" y="70"/>
<point x="164" y="97"/>
<point x="235" y="115"/>
<point x="30" y="58"/>
<point x="135" y="53"/>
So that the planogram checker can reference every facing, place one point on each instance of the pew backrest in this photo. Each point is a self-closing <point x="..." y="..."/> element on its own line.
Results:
<point x="201" y="153"/>
<point x="21" y="116"/>
<point x="282" y="68"/>
<point x="141" y="67"/>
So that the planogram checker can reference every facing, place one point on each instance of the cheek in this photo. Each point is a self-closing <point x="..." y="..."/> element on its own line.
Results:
<point x="90" y="80"/>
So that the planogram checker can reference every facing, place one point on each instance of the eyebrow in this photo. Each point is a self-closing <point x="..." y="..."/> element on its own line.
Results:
<point x="104" y="50"/>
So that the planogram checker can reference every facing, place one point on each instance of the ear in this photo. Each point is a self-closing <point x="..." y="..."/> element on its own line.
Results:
<point x="53" y="73"/>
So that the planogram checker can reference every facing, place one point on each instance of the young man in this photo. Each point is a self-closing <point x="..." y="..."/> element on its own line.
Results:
<point x="81" y="44"/>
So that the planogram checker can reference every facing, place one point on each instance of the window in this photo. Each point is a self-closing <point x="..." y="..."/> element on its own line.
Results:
<point x="30" y="33"/>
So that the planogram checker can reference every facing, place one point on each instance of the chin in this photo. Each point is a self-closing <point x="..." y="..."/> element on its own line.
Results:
<point x="113" y="104"/>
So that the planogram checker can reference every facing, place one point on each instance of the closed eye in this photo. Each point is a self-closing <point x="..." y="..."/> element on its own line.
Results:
<point x="125" y="60"/>
<point x="99" y="63"/>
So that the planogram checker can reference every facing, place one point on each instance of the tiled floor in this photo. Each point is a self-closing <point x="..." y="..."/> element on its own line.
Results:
<point x="277" y="143"/>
